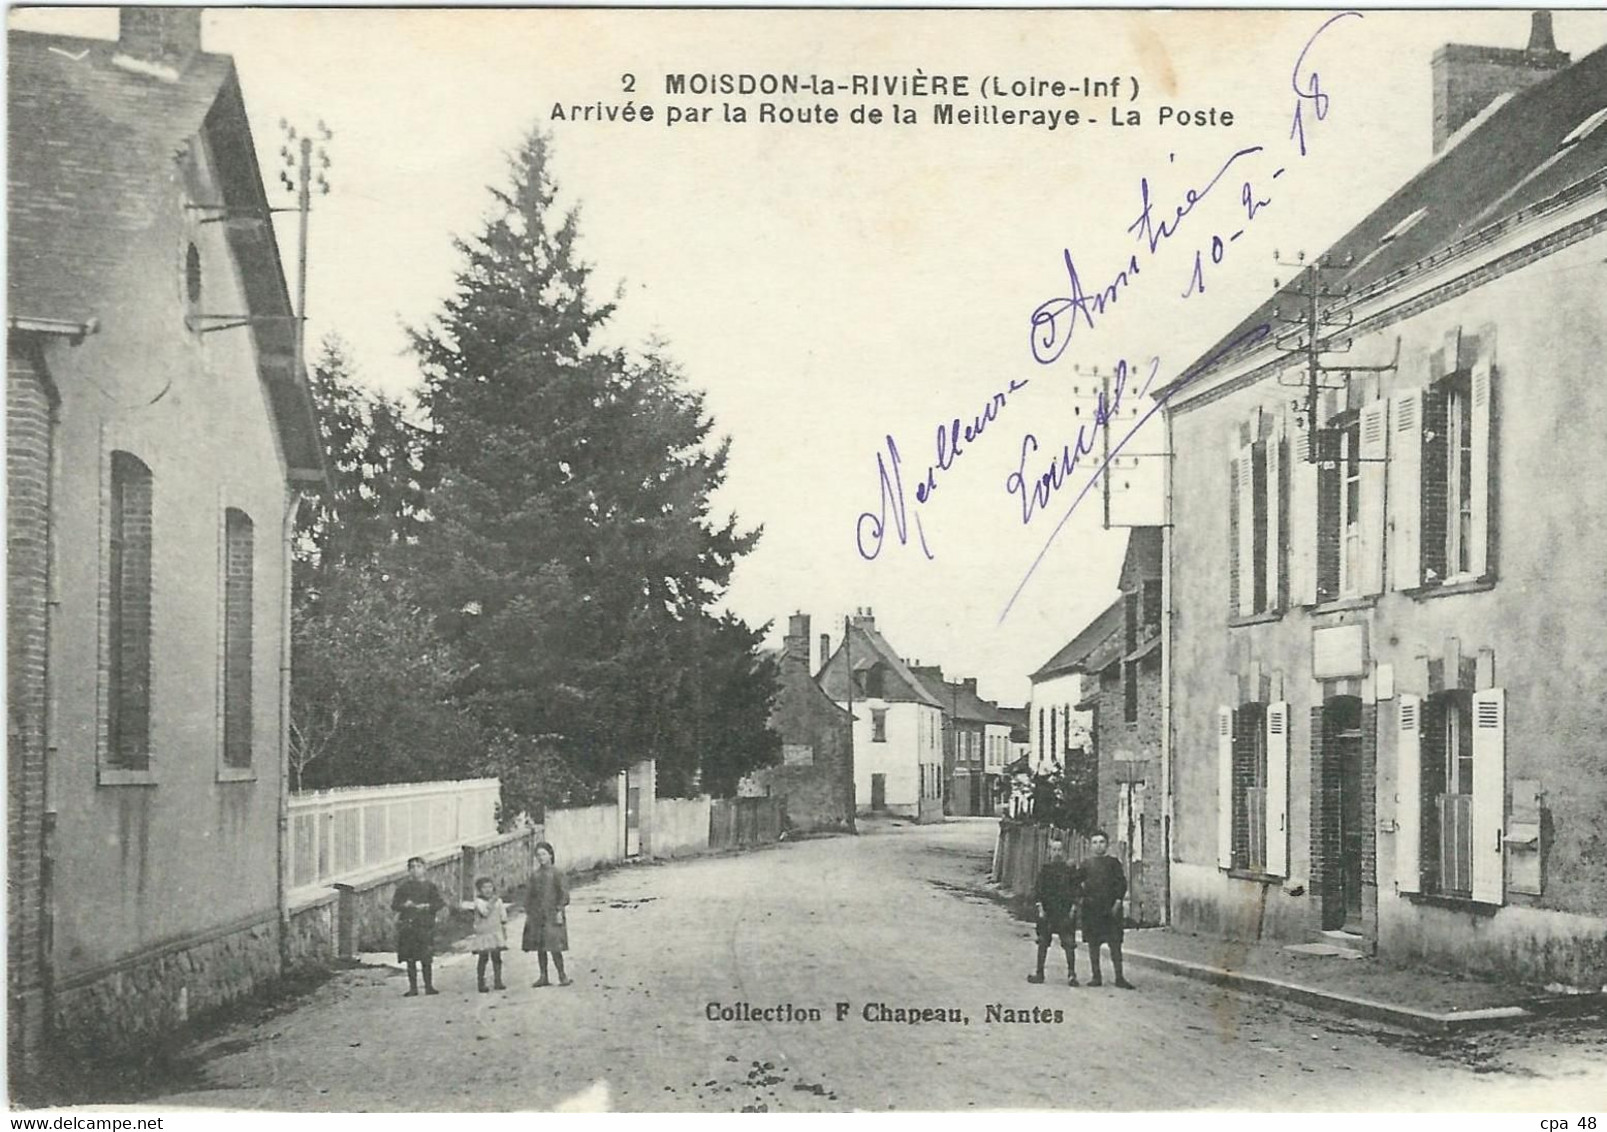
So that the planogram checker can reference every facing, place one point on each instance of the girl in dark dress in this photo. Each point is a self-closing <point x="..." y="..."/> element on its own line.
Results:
<point x="416" y="902"/>
<point x="545" y="930"/>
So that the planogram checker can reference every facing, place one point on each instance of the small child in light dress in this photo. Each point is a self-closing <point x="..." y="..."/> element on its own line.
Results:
<point x="490" y="930"/>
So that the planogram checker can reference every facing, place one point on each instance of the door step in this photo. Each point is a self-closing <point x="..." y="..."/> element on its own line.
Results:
<point x="1343" y="939"/>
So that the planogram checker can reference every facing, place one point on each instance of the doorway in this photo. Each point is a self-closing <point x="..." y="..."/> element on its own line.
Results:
<point x="633" y="819"/>
<point x="1349" y="808"/>
<point x="878" y="791"/>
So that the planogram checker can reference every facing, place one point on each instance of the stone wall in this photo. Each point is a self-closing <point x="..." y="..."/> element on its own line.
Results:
<point x="312" y="940"/>
<point x="152" y="995"/>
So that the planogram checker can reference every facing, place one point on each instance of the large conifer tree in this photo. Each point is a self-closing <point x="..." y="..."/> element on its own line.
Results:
<point x="572" y="559"/>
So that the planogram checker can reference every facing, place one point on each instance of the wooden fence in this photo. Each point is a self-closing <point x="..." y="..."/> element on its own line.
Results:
<point x="743" y="821"/>
<point x="344" y="832"/>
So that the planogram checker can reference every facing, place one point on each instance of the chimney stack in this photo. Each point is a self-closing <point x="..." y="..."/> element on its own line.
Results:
<point x="1467" y="78"/>
<point x="865" y="619"/>
<point x="969" y="684"/>
<point x="167" y="37"/>
<point x="825" y="651"/>
<point x="795" y="645"/>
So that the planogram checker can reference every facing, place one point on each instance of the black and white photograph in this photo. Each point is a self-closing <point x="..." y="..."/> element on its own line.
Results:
<point x="806" y="560"/>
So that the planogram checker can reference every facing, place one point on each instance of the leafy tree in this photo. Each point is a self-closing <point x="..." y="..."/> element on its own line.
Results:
<point x="1067" y="795"/>
<point x="371" y="681"/>
<point x="572" y="557"/>
<point x="371" y="678"/>
<point x="377" y="500"/>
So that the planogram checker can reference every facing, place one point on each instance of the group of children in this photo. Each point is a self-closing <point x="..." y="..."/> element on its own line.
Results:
<point x="417" y="901"/>
<point x="1090" y="893"/>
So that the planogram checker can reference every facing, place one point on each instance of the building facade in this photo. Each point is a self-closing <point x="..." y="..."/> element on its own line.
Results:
<point x="815" y="779"/>
<point x="1398" y="581"/>
<point x="153" y="466"/>
<point x="1057" y="725"/>
<point x="898" y="725"/>
<point x="1126" y="709"/>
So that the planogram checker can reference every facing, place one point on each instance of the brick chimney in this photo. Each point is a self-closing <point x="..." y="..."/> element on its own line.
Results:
<point x="825" y="651"/>
<point x="969" y="684"/>
<point x="795" y="645"/>
<point x="865" y="619"/>
<point x="164" y="36"/>
<point x="1468" y="78"/>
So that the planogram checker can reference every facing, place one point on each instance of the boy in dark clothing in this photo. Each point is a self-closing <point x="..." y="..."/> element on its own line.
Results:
<point x="1104" y="885"/>
<point x="416" y="902"/>
<point x="1059" y="888"/>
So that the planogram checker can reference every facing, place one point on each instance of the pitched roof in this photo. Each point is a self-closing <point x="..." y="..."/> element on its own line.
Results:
<point x="869" y="647"/>
<point x="1073" y="657"/>
<point x="1529" y="148"/>
<point x="90" y="170"/>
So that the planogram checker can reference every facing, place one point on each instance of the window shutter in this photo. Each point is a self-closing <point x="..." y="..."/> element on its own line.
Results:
<point x="1406" y="491"/>
<point x="1247" y="593"/>
<point x="1274" y="498"/>
<point x="1483" y="381"/>
<point x="1233" y="534"/>
<point x="1224" y="787"/>
<point x="1374" y="444"/>
<point x="1302" y="519"/>
<point x="1489" y="795"/>
<point x="1278" y="789"/>
<point x="1409" y="794"/>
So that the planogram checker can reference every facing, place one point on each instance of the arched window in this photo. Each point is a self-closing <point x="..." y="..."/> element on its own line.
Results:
<point x="128" y="617"/>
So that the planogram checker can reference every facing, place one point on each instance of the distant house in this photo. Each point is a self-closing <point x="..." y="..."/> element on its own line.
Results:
<point x="898" y="725"/>
<point x="815" y="779"/>
<point x="1058" y="725"/>
<point x="1125" y="704"/>
<point x="966" y="720"/>
<point x="1393" y="600"/>
<point x="157" y="437"/>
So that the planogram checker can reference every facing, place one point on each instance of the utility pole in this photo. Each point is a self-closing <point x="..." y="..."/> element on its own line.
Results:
<point x="301" y="159"/>
<point x="1315" y="331"/>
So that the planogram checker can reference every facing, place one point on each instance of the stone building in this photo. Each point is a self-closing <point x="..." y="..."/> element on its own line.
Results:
<point x="815" y="779"/>
<point x="898" y="724"/>
<point x="1125" y="706"/>
<point x="154" y="457"/>
<point x="1388" y="600"/>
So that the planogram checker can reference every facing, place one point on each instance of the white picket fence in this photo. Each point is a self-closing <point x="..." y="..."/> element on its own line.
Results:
<point x="344" y="832"/>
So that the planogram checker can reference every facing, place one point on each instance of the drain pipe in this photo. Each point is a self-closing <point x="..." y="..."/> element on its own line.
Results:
<point x="1168" y="746"/>
<point x="287" y="596"/>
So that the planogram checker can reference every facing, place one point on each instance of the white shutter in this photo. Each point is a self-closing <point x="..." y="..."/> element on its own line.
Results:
<point x="1374" y="443"/>
<point x="1247" y="530"/>
<point x="1482" y="382"/>
<point x="1302" y="519"/>
<point x="1489" y="795"/>
<point x="1409" y="794"/>
<point x="1233" y="533"/>
<point x="1224" y="787"/>
<point x="1406" y="491"/>
<point x="1278" y="789"/>
<point x="1274" y="496"/>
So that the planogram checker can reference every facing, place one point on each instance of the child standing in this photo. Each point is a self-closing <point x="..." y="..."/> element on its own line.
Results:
<point x="490" y="931"/>
<point x="1059" y="888"/>
<point x="416" y="902"/>
<point x="545" y="931"/>
<point x="1104" y="885"/>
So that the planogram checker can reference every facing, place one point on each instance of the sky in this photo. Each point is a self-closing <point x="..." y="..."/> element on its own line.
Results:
<point x="834" y="286"/>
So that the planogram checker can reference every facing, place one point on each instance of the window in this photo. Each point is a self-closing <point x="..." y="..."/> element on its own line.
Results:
<point x="1130" y="691"/>
<point x="239" y="561"/>
<point x="1250" y="788"/>
<point x="1256" y="503"/>
<point x="1448" y="792"/>
<point x="875" y="682"/>
<point x="128" y="628"/>
<point x="1054" y="747"/>
<point x="1451" y="834"/>
<point x="192" y="277"/>
<point x="1041" y="747"/>
<point x="878" y="725"/>
<point x="1130" y="618"/>
<point x="1459" y="476"/>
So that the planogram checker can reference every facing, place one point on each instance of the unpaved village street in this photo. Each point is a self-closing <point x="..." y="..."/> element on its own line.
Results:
<point x="888" y="917"/>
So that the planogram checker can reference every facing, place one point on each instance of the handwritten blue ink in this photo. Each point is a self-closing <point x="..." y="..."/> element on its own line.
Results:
<point x="1312" y="91"/>
<point x="949" y="437"/>
<point x="892" y="489"/>
<point x="1249" y="337"/>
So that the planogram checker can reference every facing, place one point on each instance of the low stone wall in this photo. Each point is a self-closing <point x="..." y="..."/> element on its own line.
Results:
<point x="159" y="991"/>
<point x="312" y="940"/>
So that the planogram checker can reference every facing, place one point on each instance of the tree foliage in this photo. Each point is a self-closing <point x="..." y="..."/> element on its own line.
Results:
<point x="572" y="558"/>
